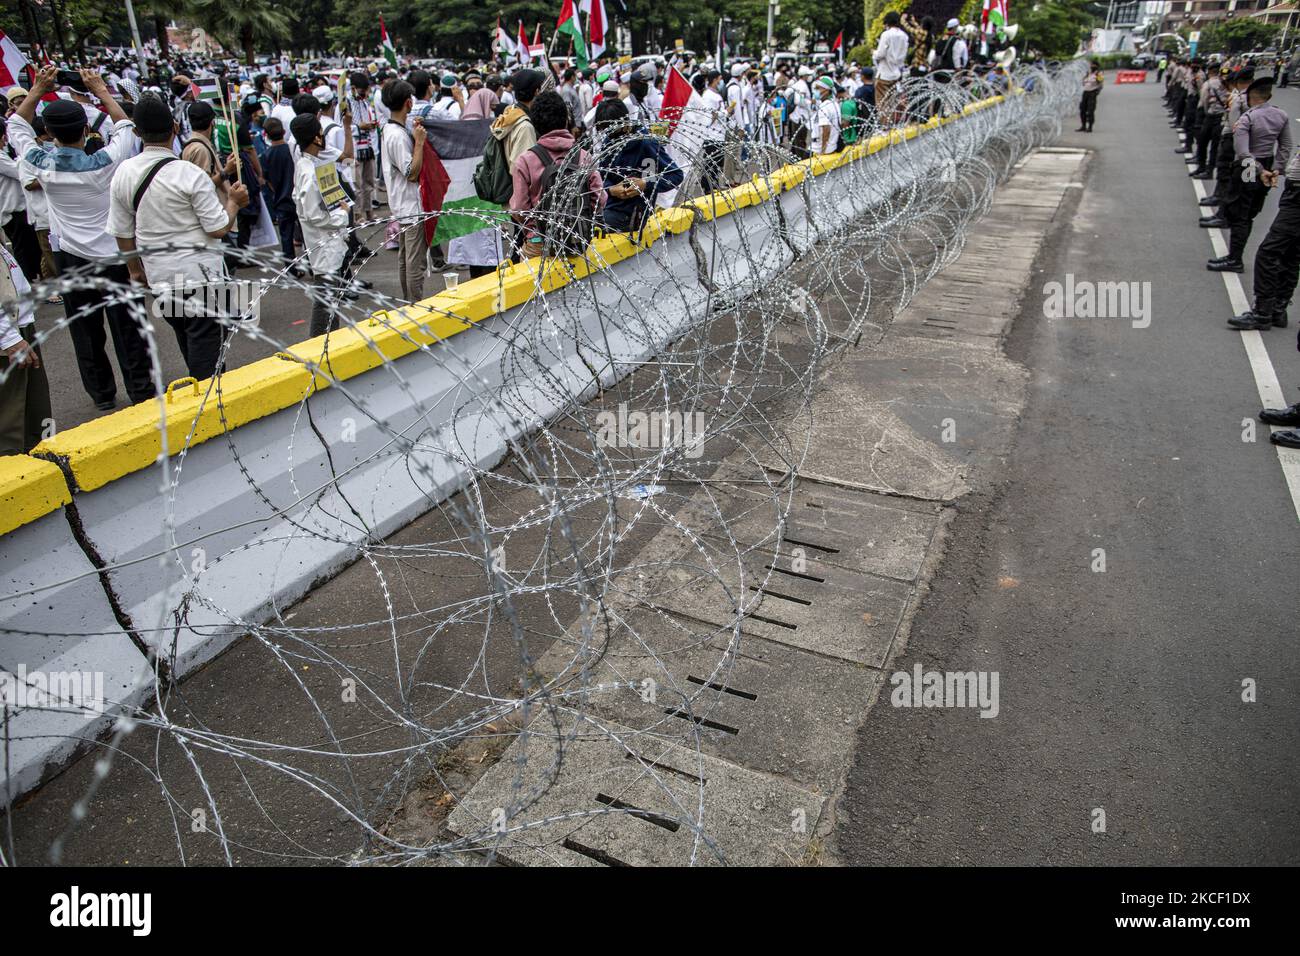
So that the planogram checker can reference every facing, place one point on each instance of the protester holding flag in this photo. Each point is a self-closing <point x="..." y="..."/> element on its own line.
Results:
<point x="403" y="151"/>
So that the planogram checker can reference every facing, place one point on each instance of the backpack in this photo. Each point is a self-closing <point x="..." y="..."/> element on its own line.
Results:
<point x="94" y="138"/>
<point x="565" y="207"/>
<point x="493" y="181"/>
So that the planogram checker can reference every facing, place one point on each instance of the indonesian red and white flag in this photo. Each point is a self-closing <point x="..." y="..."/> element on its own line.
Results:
<point x="524" y="49"/>
<point x="596" y="21"/>
<point x="13" y="62"/>
<point x="677" y="94"/>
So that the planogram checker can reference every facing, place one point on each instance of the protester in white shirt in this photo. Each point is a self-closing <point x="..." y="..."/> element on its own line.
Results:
<point x="889" y="57"/>
<point x="324" y="218"/>
<point x="24" y="390"/>
<point x="826" y="122"/>
<point x="76" y="190"/>
<point x="403" y="160"/>
<point x="364" y="136"/>
<point x="169" y="210"/>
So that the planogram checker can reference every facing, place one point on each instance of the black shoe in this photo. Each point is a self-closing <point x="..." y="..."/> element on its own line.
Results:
<point x="1202" y="174"/>
<point x="1213" y="222"/>
<point x="1210" y="201"/>
<point x="1279" y="320"/>
<point x="107" y="405"/>
<point x="1280" y="416"/>
<point x="1251" y="321"/>
<point x="1225" y="265"/>
<point x="1289" y="439"/>
<point x="1181" y="151"/>
<point x="1082" y="129"/>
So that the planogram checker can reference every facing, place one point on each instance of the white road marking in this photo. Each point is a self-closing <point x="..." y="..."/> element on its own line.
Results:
<point x="1266" y="383"/>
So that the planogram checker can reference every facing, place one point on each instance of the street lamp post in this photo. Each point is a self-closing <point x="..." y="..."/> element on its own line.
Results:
<point x="135" y="38"/>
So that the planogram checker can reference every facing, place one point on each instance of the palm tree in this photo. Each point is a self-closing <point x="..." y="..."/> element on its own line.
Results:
<point x="246" y="19"/>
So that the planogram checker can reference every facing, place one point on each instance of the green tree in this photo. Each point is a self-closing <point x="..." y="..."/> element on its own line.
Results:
<point x="247" y="21"/>
<point x="1237" y="35"/>
<point x="1055" y="28"/>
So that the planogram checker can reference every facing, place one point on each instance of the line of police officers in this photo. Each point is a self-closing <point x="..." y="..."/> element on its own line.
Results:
<point x="1235" y="134"/>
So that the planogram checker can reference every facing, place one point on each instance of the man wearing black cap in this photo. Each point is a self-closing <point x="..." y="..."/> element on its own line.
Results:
<point x="1261" y="139"/>
<point x="76" y="187"/>
<point x="171" y="211"/>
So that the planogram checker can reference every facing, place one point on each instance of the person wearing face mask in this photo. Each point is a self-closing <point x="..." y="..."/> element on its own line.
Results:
<point x="638" y="102"/>
<point x="826" y="119"/>
<point x="182" y="96"/>
<point x="324" y="218"/>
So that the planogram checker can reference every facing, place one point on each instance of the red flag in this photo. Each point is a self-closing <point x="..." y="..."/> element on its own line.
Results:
<point x="677" y="93"/>
<point x="839" y="42"/>
<point x="525" y="54"/>
<point x="433" y="189"/>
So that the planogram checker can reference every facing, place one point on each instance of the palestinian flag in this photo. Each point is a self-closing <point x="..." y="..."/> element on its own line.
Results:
<point x="994" y="18"/>
<point x="504" y="42"/>
<point x="452" y="152"/>
<point x="568" y="25"/>
<point x="206" y="87"/>
<point x="12" y="62"/>
<point x="390" y="52"/>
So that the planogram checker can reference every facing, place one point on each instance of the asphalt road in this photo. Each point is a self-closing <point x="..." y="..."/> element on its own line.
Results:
<point x="1120" y="691"/>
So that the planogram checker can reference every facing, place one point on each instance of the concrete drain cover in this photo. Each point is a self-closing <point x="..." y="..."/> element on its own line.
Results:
<point x="621" y="798"/>
<point x="751" y="701"/>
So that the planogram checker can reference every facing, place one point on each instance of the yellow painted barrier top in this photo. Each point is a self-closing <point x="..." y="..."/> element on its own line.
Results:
<point x="29" y="489"/>
<point x="130" y="440"/>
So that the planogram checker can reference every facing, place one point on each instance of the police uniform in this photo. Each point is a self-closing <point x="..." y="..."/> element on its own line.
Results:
<point x="1223" y="167"/>
<point x="1261" y="139"/>
<point x="1277" y="262"/>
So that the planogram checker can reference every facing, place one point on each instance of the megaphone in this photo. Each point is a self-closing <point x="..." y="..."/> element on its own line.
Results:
<point x="1010" y="31"/>
<point x="1004" y="58"/>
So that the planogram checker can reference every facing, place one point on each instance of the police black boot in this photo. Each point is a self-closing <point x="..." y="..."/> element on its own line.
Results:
<point x="1201" y="174"/>
<point x="1213" y="222"/>
<point x="1252" y="321"/>
<point x="1280" y="416"/>
<point x="1210" y="201"/>
<point x="1279" y="319"/>
<point x="1287" y="439"/>
<point x="1225" y="265"/>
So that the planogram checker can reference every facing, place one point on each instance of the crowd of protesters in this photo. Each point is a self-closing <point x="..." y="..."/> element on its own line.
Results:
<point x="122" y="179"/>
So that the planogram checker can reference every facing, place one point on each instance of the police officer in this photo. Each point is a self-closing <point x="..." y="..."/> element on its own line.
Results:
<point x="1277" y="264"/>
<point x="1224" y="180"/>
<point x="1261" y="140"/>
<point x="1214" y="102"/>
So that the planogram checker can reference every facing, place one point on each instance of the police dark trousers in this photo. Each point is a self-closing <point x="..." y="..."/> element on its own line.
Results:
<point x="288" y="226"/>
<point x="1225" y="177"/>
<point x="1277" y="261"/>
<point x="92" y="309"/>
<point x="1088" y="108"/>
<point x="24" y="403"/>
<point x="1246" y="203"/>
<point x="1207" y="140"/>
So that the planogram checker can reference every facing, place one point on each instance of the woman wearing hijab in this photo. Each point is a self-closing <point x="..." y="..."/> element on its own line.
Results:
<point x="480" y="250"/>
